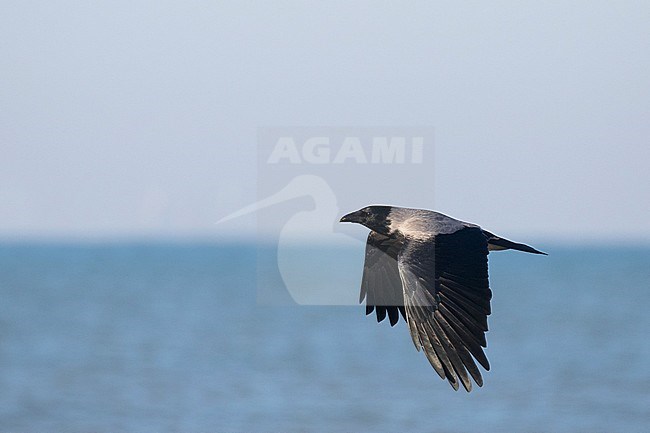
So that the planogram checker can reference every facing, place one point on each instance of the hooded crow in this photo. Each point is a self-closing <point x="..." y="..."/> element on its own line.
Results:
<point x="433" y="270"/>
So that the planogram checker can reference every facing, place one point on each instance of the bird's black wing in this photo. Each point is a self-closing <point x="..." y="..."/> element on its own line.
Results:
<point x="381" y="285"/>
<point x="447" y="301"/>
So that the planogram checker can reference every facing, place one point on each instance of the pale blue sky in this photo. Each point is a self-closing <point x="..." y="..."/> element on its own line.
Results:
<point x="139" y="118"/>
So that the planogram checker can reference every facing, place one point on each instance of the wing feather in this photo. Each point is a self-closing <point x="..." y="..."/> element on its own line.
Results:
<point x="430" y="352"/>
<point x="470" y="341"/>
<point x="452" y="353"/>
<point x="467" y="361"/>
<point x="381" y="286"/>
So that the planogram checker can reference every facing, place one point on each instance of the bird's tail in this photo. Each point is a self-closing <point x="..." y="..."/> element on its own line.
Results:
<point x="495" y="243"/>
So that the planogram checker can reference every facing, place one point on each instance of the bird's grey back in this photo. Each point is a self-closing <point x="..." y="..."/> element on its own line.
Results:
<point x="422" y="224"/>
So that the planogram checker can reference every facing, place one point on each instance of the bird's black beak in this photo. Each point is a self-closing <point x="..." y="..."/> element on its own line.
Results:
<point x="353" y="217"/>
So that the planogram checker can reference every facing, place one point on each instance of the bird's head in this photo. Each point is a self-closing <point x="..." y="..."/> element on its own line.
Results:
<point x="376" y="218"/>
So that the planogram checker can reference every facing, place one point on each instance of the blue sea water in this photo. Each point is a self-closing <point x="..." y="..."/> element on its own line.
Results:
<point x="173" y="338"/>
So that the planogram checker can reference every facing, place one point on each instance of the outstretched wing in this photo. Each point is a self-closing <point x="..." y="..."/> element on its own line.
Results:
<point x="447" y="301"/>
<point x="381" y="285"/>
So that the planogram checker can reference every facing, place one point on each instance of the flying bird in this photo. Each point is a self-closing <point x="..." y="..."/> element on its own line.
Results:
<point x="433" y="270"/>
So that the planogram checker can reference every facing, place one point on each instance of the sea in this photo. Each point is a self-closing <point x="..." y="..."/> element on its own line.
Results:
<point x="179" y="337"/>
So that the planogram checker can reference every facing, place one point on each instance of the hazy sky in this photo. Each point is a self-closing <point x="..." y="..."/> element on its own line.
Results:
<point x="140" y="118"/>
